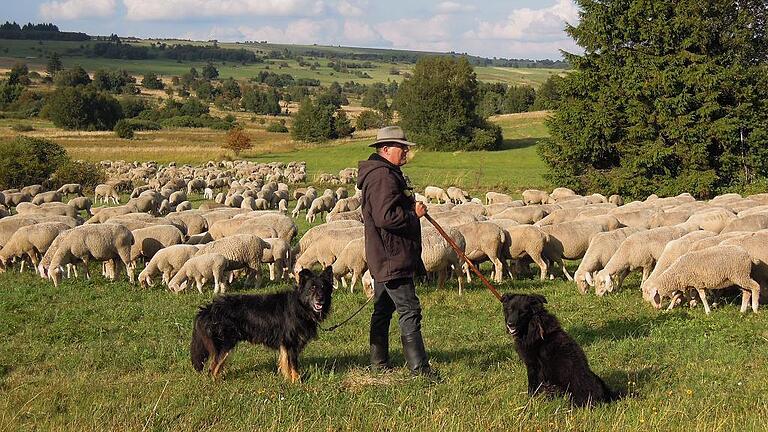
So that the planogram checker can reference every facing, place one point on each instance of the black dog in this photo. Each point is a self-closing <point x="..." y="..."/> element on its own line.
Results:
<point x="556" y="363"/>
<point x="284" y="321"/>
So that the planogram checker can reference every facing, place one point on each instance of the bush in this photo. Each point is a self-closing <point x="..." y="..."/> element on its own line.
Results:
<point x="278" y="127"/>
<point x="21" y="127"/>
<point x="25" y="161"/>
<point x="87" y="174"/>
<point x="152" y="82"/>
<point x="123" y="129"/>
<point x="237" y="141"/>
<point x="82" y="109"/>
<point x="77" y="76"/>
<point x="369" y="119"/>
<point x="139" y="125"/>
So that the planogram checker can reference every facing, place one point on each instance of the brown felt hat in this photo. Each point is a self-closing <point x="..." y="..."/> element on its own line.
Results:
<point x="391" y="134"/>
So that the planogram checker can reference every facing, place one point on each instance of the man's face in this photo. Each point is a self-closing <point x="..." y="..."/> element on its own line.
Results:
<point x="397" y="154"/>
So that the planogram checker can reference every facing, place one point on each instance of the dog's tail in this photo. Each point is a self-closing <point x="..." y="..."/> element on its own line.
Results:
<point x="202" y="345"/>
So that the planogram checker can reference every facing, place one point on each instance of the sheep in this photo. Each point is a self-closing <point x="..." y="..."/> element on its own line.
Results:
<point x="497" y="198"/>
<point x="754" y="244"/>
<point x="484" y="240"/>
<point x="367" y="281"/>
<point x="751" y="223"/>
<point x="196" y="185"/>
<point x="9" y="225"/>
<point x="616" y="199"/>
<point x="99" y="242"/>
<point x="341" y="193"/>
<point x="106" y="193"/>
<point x="33" y="189"/>
<point x="640" y="218"/>
<point x="522" y="241"/>
<point x="302" y="203"/>
<point x="225" y="228"/>
<point x="601" y="248"/>
<point x="713" y="268"/>
<point x="355" y="215"/>
<point x="438" y="256"/>
<point x="71" y="189"/>
<point x="570" y="240"/>
<point x="449" y="219"/>
<point x="326" y="247"/>
<point x="640" y="250"/>
<point x="319" y="206"/>
<point x="284" y="226"/>
<point x="192" y="221"/>
<point x="436" y="193"/>
<point x="47" y="197"/>
<point x="672" y="251"/>
<point x="535" y="196"/>
<point x="148" y="241"/>
<point x="104" y="214"/>
<point x="208" y="193"/>
<point x="241" y="251"/>
<point x="523" y="215"/>
<point x="714" y="219"/>
<point x="31" y="241"/>
<point x="596" y="198"/>
<point x="81" y="203"/>
<point x="146" y="203"/>
<point x="167" y="261"/>
<point x="351" y="260"/>
<point x="319" y="231"/>
<point x="184" y="206"/>
<point x="48" y="209"/>
<point x="277" y="257"/>
<point x="556" y="216"/>
<point x="282" y="206"/>
<point x="457" y="196"/>
<point x="13" y="199"/>
<point x="177" y="198"/>
<point x="669" y="218"/>
<point x="559" y="193"/>
<point x="202" y="268"/>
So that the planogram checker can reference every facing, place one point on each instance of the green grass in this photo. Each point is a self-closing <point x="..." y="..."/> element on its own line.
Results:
<point x="110" y="356"/>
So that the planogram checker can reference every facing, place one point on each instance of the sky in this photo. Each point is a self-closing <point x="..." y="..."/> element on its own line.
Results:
<point x="491" y="28"/>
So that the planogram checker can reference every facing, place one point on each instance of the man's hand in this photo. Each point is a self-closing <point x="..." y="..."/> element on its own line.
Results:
<point x="420" y="208"/>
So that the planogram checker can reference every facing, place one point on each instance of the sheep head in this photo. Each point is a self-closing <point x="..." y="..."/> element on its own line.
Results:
<point x="603" y="283"/>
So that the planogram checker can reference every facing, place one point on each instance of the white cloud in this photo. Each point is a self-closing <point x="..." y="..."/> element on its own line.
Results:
<point x="361" y="33"/>
<point x="449" y="7"/>
<point x="302" y="31"/>
<point x="180" y="9"/>
<point x="432" y="34"/>
<point x="77" y="9"/>
<point x="527" y="24"/>
<point x="350" y="8"/>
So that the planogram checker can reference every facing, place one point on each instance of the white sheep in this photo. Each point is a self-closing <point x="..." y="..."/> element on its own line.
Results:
<point x="570" y="240"/>
<point x="483" y="241"/>
<point x="497" y="198"/>
<point x="106" y="192"/>
<point x="31" y="241"/>
<point x="201" y="269"/>
<point x="302" y="203"/>
<point x="436" y="193"/>
<point x="101" y="242"/>
<point x="320" y="205"/>
<point x="166" y="261"/>
<point x="639" y="251"/>
<point x="524" y="215"/>
<point x="351" y="260"/>
<point x="148" y="241"/>
<point x="456" y="195"/>
<point x="241" y="251"/>
<point x="601" y="248"/>
<point x="47" y="197"/>
<point x="208" y="193"/>
<point x="716" y="267"/>
<point x="277" y="258"/>
<point x="535" y="196"/>
<point x="672" y="251"/>
<point x="439" y="257"/>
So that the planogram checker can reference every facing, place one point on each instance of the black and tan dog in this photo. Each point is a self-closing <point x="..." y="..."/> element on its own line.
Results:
<point x="284" y="321"/>
<point x="556" y="363"/>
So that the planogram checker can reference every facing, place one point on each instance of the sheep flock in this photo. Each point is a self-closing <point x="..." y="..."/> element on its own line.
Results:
<point x="141" y="223"/>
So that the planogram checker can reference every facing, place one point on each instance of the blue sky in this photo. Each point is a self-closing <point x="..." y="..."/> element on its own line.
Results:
<point x="501" y="28"/>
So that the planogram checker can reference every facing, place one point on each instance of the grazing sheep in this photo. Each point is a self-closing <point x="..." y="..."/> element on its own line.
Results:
<point x="106" y="193"/>
<point x="148" y="241"/>
<point x="570" y="240"/>
<point x="277" y="258"/>
<point x="561" y="193"/>
<point x="302" y="203"/>
<point x="669" y="218"/>
<point x="714" y="219"/>
<point x="15" y="198"/>
<point x="351" y="260"/>
<point x="354" y="215"/>
<point x="282" y="206"/>
<point x="48" y="209"/>
<point x="283" y="225"/>
<point x="750" y="223"/>
<point x="326" y="246"/>
<point x="639" y="251"/>
<point x="9" y="225"/>
<point x="523" y="215"/>
<point x="713" y="268"/>
<point x="184" y="206"/>
<point x="241" y="251"/>
<point x="616" y="199"/>
<point x="32" y="242"/>
<point x="81" y="203"/>
<point x="201" y="269"/>
<point x="33" y="189"/>
<point x="640" y="218"/>
<point x="601" y="248"/>
<point x="229" y="227"/>
<point x="319" y="206"/>
<point x="483" y="241"/>
<point x="438" y="256"/>
<point x="497" y="198"/>
<point x="47" y="197"/>
<point x="166" y="261"/>
<point x="672" y="251"/>
<point x="535" y="196"/>
<point x="521" y="241"/>
<point x="208" y="193"/>
<point x="71" y="189"/>
<point x="457" y="196"/>
<point x="98" y="242"/>
<point x="196" y="185"/>
<point x="436" y="193"/>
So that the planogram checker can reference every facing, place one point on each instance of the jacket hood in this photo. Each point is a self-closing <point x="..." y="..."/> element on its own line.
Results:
<point x="373" y="163"/>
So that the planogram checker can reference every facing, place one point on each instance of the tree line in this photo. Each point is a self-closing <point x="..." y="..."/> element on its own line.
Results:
<point x="43" y="31"/>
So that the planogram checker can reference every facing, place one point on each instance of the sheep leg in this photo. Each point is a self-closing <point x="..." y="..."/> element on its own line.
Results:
<point x="745" y="295"/>
<point x="620" y="279"/>
<point x="353" y="282"/>
<point x="457" y="272"/>
<point x="646" y="273"/>
<point x="441" y="278"/>
<point x="199" y="283"/>
<point x="754" y="289"/>
<point x="673" y="301"/>
<point x="703" y="296"/>
<point x="542" y="263"/>
<point x="21" y="269"/>
<point x="271" y="271"/>
<point x="465" y="269"/>
<point x="85" y="268"/>
<point x="498" y="270"/>
<point x="565" y="270"/>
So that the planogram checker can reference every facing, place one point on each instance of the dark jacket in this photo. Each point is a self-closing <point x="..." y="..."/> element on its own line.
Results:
<point x="392" y="229"/>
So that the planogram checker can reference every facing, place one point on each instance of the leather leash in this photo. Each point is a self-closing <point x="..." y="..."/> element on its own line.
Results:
<point x="456" y="248"/>
<point x="335" y="326"/>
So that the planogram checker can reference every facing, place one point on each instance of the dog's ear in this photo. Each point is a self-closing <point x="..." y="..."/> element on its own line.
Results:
<point x="535" y="329"/>
<point x="304" y="275"/>
<point x="538" y="299"/>
<point x="506" y="297"/>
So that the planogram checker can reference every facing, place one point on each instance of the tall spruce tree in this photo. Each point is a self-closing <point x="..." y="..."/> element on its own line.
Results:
<point x="668" y="97"/>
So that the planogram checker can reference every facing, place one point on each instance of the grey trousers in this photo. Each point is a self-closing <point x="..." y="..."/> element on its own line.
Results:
<point x="395" y="295"/>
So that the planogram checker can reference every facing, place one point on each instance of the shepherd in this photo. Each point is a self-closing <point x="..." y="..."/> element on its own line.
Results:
<point x="393" y="250"/>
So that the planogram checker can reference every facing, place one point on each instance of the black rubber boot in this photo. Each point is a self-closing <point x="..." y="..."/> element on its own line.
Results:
<point x="380" y="355"/>
<point x="416" y="357"/>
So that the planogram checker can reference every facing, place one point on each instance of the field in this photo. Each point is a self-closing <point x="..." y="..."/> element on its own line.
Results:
<point x="34" y="54"/>
<point x="512" y="169"/>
